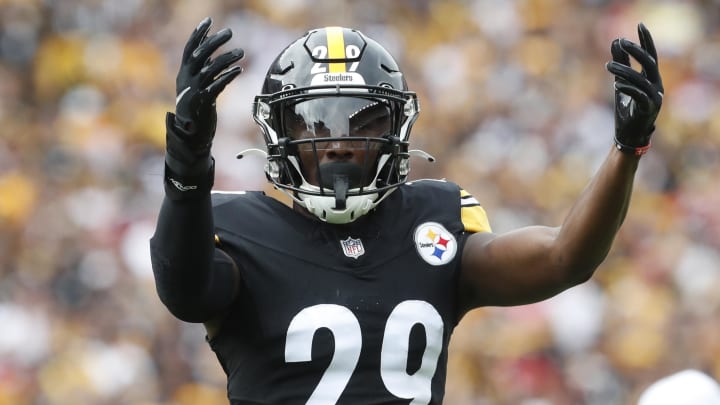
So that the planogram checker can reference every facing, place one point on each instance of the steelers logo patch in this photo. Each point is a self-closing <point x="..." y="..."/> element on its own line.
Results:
<point x="435" y="244"/>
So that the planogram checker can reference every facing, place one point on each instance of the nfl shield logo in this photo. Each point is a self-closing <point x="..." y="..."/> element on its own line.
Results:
<point x="352" y="247"/>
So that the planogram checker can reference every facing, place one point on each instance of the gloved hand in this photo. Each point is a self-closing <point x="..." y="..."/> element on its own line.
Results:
<point x="199" y="81"/>
<point x="638" y="95"/>
<point x="190" y="131"/>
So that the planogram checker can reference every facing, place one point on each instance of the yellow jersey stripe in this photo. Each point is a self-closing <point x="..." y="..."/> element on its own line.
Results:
<point x="472" y="214"/>
<point x="336" y="48"/>
<point x="469" y="200"/>
<point x="475" y="219"/>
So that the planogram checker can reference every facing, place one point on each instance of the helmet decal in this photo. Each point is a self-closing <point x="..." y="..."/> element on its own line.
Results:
<point x="333" y="57"/>
<point x="336" y="48"/>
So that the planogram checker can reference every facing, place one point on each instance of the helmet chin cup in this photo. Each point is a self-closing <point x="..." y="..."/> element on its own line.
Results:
<point x="324" y="207"/>
<point x="342" y="182"/>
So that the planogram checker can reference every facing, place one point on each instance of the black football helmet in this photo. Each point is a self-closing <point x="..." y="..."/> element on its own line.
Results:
<point x="336" y="86"/>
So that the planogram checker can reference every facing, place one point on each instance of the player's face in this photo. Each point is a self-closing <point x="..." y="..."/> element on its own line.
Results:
<point x="334" y="127"/>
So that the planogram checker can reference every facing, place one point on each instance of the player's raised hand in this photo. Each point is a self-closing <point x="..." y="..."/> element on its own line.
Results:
<point x="200" y="80"/>
<point x="638" y="95"/>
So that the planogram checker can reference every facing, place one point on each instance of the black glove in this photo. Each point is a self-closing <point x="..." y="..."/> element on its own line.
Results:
<point x="190" y="131"/>
<point x="638" y="95"/>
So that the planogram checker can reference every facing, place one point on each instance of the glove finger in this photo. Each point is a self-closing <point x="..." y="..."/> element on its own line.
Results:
<point x="648" y="44"/>
<point x="618" y="54"/>
<point x="219" y="64"/>
<point x="646" y="41"/>
<point x="222" y="80"/>
<point x="641" y="98"/>
<point x="196" y="38"/>
<point x="210" y="45"/>
<point x="632" y="77"/>
<point x="648" y="63"/>
<point x="621" y="70"/>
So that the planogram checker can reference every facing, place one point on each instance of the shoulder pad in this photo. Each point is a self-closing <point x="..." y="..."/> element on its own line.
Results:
<point x="472" y="214"/>
<point x="223" y="197"/>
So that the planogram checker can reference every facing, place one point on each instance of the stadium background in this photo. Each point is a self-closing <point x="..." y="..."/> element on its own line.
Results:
<point x="516" y="107"/>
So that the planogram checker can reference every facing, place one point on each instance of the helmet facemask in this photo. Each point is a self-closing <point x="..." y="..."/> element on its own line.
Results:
<point x="312" y="126"/>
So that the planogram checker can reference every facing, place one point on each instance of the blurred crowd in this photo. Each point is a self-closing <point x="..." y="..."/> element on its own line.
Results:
<point x="516" y="107"/>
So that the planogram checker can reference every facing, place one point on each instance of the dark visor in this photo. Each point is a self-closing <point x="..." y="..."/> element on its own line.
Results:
<point x="336" y="117"/>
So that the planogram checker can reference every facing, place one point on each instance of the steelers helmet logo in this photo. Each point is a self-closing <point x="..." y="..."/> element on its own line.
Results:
<point x="435" y="244"/>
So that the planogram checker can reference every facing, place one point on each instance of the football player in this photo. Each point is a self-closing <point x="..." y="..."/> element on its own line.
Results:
<point x="351" y="295"/>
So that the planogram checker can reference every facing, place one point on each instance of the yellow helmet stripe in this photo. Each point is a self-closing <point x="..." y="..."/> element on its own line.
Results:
<point x="336" y="48"/>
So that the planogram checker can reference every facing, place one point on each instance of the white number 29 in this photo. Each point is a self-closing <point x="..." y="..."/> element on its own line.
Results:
<point x="345" y="328"/>
<point x="321" y="52"/>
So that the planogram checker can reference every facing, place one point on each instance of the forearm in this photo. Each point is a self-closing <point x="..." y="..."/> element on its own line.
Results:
<point x="184" y="234"/>
<point x="193" y="279"/>
<point x="589" y="229"/>
<point x="182" y="247"/>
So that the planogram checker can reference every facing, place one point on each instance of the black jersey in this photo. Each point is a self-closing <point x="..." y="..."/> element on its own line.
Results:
<point x="359" y="313"/>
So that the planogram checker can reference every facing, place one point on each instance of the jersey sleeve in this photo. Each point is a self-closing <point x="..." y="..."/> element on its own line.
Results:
<point x="472" y="214"/>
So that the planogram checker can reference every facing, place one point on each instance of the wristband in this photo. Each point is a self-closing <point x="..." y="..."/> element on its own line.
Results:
<point x="632" y="150"/>
<point x="183" y="186"/>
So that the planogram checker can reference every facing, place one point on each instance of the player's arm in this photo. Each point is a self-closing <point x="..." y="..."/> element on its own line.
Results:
<point x="534" y="263"/>
<point x="194" y="280"/>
